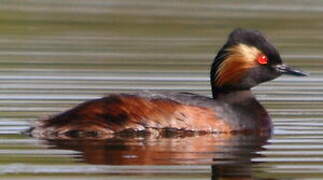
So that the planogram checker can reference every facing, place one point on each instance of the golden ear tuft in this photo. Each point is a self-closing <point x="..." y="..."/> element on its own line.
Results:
<point x="241" y="58"/>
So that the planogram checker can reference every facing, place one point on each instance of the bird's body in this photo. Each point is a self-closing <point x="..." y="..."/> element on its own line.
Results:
<point x="158" y="113"/>
<point x="246" y="60"/>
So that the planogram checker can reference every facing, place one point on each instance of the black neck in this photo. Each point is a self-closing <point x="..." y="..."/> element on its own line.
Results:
<point x="221" y="91"/>
<point x="245" y="109"/>
<point x="234" y="96"/>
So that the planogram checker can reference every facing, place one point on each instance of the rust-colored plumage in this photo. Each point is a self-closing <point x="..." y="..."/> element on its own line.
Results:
<point x="125" y="113"/>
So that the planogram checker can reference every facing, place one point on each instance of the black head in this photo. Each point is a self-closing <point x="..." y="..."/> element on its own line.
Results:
<point x="245" y="60"/>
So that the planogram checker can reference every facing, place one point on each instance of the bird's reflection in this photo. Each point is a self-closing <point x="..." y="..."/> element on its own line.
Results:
<point x="229" y="155"/>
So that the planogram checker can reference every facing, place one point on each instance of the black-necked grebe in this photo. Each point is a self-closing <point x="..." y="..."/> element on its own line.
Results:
<point x="245" y="60"/>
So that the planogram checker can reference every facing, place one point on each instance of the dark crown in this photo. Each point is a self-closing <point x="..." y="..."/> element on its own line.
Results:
<point x="237" y="61"/>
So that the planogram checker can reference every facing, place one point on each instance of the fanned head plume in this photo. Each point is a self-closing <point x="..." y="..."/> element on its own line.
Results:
<point x="245" y="60"/>
<point x="240" y="59"/>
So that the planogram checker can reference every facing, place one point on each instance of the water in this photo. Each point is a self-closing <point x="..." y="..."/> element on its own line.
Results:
<point x="56" y="54"/>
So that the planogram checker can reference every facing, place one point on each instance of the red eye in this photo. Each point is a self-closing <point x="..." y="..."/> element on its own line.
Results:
<point x="262" y="59"/>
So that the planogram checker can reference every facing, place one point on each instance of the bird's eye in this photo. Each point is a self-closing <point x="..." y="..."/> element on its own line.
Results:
<point x="262" y="59"/>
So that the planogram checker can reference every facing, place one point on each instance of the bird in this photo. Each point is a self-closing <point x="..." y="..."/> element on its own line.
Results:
<point x="246" y="59"/>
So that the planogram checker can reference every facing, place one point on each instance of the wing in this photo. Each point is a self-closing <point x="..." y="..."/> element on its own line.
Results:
<point x="149" y="113"/>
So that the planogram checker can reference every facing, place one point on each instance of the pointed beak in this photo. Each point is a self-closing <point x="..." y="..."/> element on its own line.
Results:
<point x="284" y="69"/>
